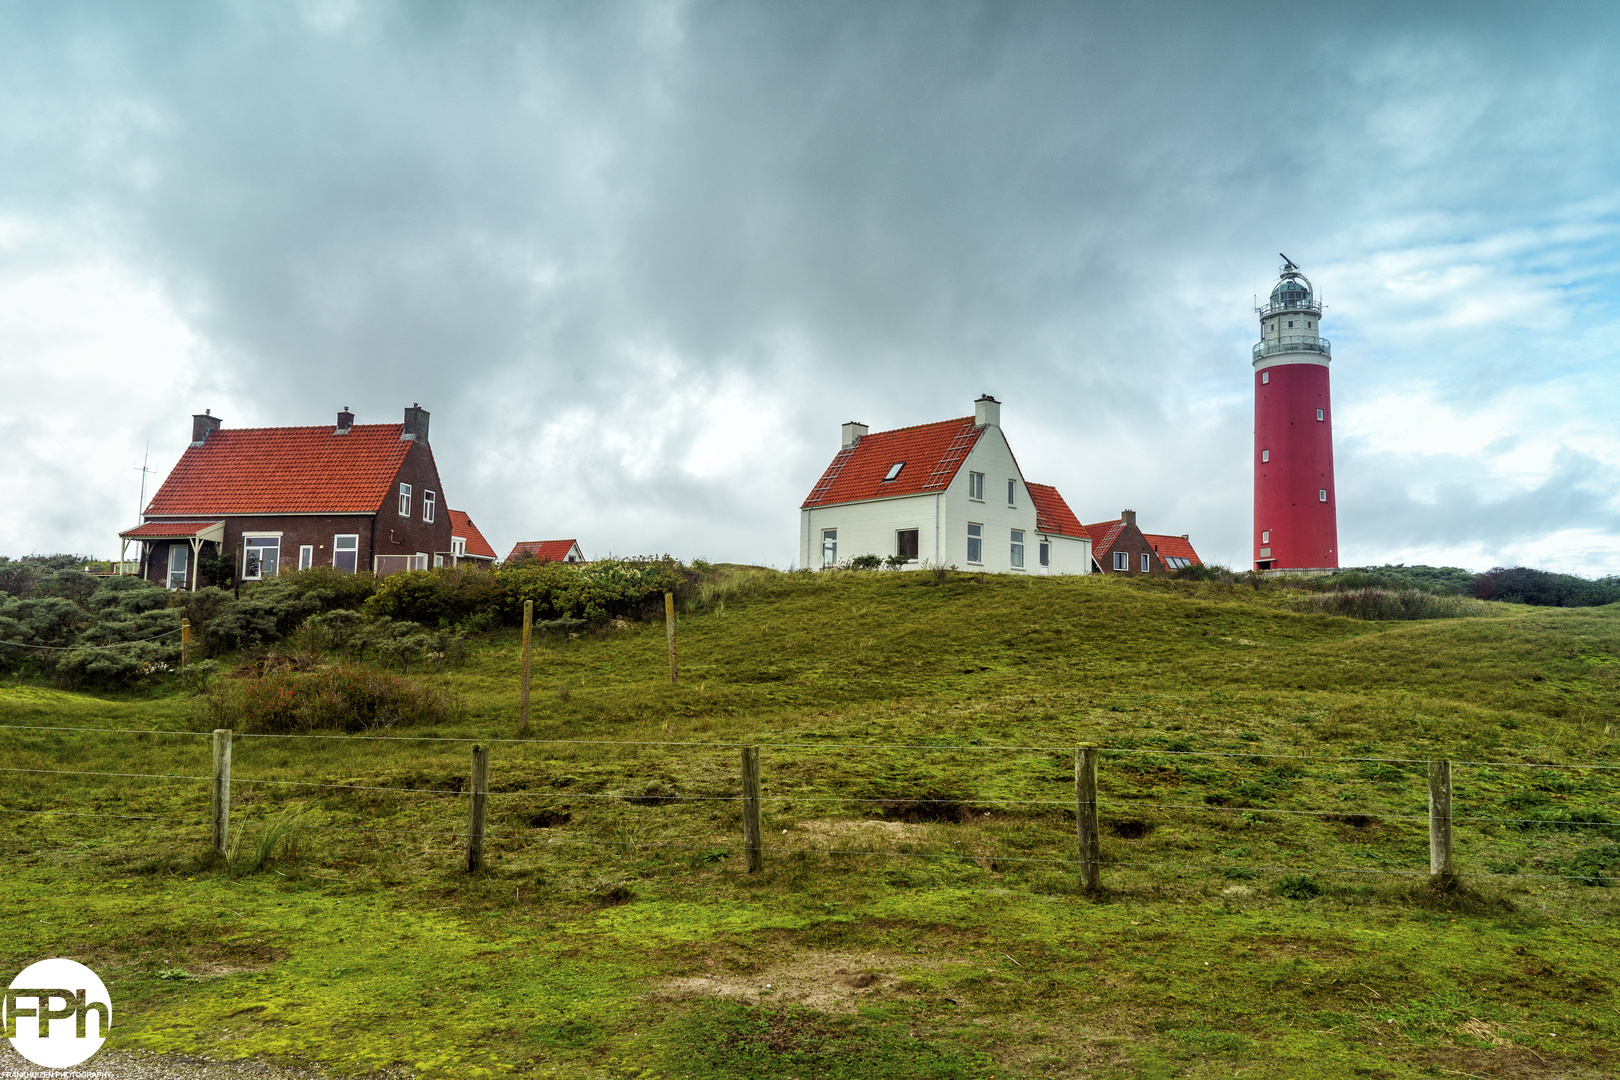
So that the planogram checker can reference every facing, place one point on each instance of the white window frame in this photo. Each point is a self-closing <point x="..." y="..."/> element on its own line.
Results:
<point x="1265" y="378"/>
<point x="306" y="556"/>
<point x="1265" y="536"/>
<point x="1265" y="456"/>
<point x="976" y="486"/>
<point x="975" y="535"/>
<point x="1012" y="491"/>
<point x="458" y="546"/>
<point x="438" y="559"/>
<point x="1016" y="552"/>
<point x="894" y="471"/>
<point x="404" y="500"/>
<point x="430" y="501"/>
<point x="1122" y="561"/>
<point x="829" y="547"/>
<point x="1321" y="494"/>
<point x="898" y="533"/>
<point x="337" y="547"/>
<point x="1147" y="562"/>
<point x="183" y="570"/>
<point x="1046" y="553"/>
<point x="1319" y="416"/>
<point x="248" y="544"/>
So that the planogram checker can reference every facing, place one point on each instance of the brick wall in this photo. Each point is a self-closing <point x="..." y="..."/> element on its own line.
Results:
<point x="1132" y="541"/>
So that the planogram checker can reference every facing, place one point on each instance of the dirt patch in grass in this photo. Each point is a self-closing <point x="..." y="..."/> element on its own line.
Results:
<point x="828" y="981"/>
<point x="874" y="832"/>
<point x="1509" y="1063"/>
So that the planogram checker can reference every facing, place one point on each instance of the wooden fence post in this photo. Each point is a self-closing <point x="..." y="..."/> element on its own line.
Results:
<point x="669" y="632"/>
<point x="185" y="643"/>
<point x="475" y="816"/>
<point x="1085" y="815"/>
<point x="750" y="808"/>
<point x="523" y="680"/>
<point x="220" y="802"/>
<point x="1440" y="866"/>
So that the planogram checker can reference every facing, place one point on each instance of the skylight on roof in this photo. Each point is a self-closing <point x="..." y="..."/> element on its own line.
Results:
<point x="894" y="471"/>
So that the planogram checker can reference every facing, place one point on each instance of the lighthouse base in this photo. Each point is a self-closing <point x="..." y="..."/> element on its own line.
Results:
<point x="1311" y="571"/>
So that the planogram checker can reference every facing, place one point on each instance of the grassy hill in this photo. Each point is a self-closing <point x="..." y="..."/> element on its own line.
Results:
<point x="919" y="914"/>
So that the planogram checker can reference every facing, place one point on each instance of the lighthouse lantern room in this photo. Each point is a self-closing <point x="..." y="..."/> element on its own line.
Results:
<point x="1295" y="518"/>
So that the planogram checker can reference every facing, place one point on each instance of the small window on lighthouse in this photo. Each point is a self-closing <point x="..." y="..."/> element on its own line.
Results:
<point x="1265" y="455"/>
<point x="1265" y="377"/>
<point x="1319" y="414"/>
<point x="1265" y="536"/>
<point x="1321" y="494"/>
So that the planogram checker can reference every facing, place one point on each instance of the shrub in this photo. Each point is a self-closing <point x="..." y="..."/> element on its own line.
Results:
<point x="866" y="562"/>
<point x="1204" y="572"/>
<point x="1297" y="887"/>
<point x="341" y="698"/>
<point x="438" y="597"/>
<point x="1522" y="585"/>
<point x="605" y="589"/>
<point x="1387" y="604"/>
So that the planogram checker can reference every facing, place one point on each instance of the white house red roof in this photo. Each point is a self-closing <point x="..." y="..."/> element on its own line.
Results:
<point x="462" y="527"/>
<point x="284" y="470"/>
<point x="1052" y="514"/>
<point x="547" y="550"/>
<point x="929" y="455"/>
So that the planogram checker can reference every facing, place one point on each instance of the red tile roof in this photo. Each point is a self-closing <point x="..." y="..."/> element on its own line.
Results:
<point x="461" y="525"/>
<point x="1173" y="545"/>
<point x="544" y="550"/>
<point x="285" y="470"/>
<point x="1052" y="514"/>
<point x="931" y="453"/>
<point x="166" y="530"/>
<point x="1103" y="535"/>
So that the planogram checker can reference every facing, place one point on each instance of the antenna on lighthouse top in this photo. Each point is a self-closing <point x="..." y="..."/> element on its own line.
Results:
<point x="1288" y="264"/>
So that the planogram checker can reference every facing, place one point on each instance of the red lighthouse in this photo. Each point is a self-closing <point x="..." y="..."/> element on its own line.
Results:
<point x="1295" y="521"/>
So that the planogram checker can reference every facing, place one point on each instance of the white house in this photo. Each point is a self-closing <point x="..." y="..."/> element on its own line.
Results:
<point x="944" y="494"/>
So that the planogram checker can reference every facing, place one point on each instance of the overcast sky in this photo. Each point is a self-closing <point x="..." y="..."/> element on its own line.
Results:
<point x="641" y="260"/>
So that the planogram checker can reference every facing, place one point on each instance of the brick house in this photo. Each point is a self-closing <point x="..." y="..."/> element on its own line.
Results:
<point x="353" y="496"/>
<point x="467" y="545"/>
<point x="1119" y="547"/>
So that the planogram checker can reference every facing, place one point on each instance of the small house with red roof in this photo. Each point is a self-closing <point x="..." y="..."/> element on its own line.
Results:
<point x="547" y="551"/>
<point x="949" y="493"/>
<point x="350" y="496"/>
<point x="467" y="545"/>
<point x="1120" y="547"/>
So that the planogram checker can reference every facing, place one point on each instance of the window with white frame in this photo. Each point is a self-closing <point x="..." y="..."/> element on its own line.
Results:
<point x="429" y="503"/>
<point x="1122" y="560"/>
<point x="306" y="556"/>
<point x="976" y="486"/>
<point x="1012" y="492"/>
<point x="1265" y="455"/>
<point x="404" y="500"/>
<point x="829" y="547"/>
<point x="1046" y="553"/>
<point x="1321" y="495"/>
<point x="179" y="556"/>
<point x="1147" y="562"/>
<point x="976" y="539"/>
<point x="346" y="552"/>
<point x="261" y="555"/>
<point x="1319" y="415"/>
<point x="458" y="546"/>
<point x="905" y="544"/>
<point x="1265" y="536"/>
<point x="1265" y="377"/>
<point x="1177" y="562"/>
<point x="894" y="471"/>
<point x="1018" y="549"/>
<point x="438" y="559"/>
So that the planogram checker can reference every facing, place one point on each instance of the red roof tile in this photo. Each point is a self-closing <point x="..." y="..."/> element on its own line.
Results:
<point x="461" y="525"/>
<point x="1052" y="514"/>
<point x="931" y="453"/>
<point x="166" y="530"/>
<point x="286" y="470"/>
<point x="1173" y="545"/>
<point x="1103" y="534"/>
<point x="544" y="550"/>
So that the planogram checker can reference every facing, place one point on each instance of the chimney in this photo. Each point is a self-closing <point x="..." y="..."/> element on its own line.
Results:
<point x="345" y="421"/>
<point x="853" y="431"/>
<point x="416" y="424"/>
<point x="987" y="411"/>
<point x="203" y="426"/>
<point x="1128" y="516"/>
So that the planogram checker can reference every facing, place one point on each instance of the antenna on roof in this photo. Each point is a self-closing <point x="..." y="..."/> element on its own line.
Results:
<point x="1288" y="264"/>
<point x="140" y="510"/>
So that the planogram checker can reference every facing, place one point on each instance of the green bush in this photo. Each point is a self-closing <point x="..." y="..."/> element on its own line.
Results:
<point x="438" y="597"/>
<point x="1522" y="585"/>
<point x="340" y="698"/>
<point x="1384" y="604"/>
<point x="1297" y="887"/>
<point x="605" y="589"/>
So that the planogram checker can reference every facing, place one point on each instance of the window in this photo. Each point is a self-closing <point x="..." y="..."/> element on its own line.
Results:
<point x="1318" y="415"/>
<point x="458" y="546"/>
<point x="1265" y="377"/>
<point x="429" y="499"/>
<point x="1321" y="495"/>
<point x="306" y="556"/>
<point x="1177" y="562"/>
<point x="438" y="560"/>
<point x="179" y="556"/>
<point x="894" y="471"/>
<point x="1017" y="548"/>
<point x="976" y="486"/>
<point x="829" y="547"/>
<point x="1265" y="536"/>
<point x="1046" y="553"/>
<point x="261" y="555"/>
<point x="346" y="553"/>
<point x="1122" y="560"/>
<point x="1012" y="492"/>
<point x="1147" y="562"/>
<point x="905" y="544"/>
<point x="1265" y="455"/>
<point x="1290" y="324"/>
<point x="404" y="500"/>
<point x="976" y="536"/>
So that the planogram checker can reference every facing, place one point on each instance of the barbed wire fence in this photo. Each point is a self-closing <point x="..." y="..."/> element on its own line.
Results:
<point x="1093" y="810"/>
